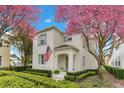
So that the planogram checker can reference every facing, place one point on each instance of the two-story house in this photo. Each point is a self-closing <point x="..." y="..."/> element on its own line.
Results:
<point x="117" y="58"/>
<point x="54" y="50"/>
<point x="4" y="51"/>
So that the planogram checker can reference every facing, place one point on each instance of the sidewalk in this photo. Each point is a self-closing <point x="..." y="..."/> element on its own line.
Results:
<point x="117" y="83"/>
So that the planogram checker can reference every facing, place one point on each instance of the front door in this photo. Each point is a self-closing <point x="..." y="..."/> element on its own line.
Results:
<point x="66" y="63"/>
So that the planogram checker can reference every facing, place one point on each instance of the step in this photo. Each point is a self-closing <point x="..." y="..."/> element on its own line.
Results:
<point x="59" y="76"/>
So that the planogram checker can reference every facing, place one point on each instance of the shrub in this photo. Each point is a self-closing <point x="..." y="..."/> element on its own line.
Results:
<point x="40" y="72"/>
<point x="70" y="78"/>
<point x="41" y="80"/>
<point x="83" y="76"/>
<point x="19" y="68"/>
<point x="76" y="73"/>
<point x="16" y="82"/>
<point x="117" y="72"/>
<point x="80" y="72"/>
<point x="56" y="71"/>
<point x="36" y="73"/>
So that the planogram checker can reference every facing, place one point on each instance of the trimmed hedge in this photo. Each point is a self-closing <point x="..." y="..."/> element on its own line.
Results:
<point x="47" y="73"/>
<point x="75" y="75"/>
<point x="56" y="71"/>
<point x="83" y="76"/>
<point x="36" y="73"/>
<point x="79" y="72"/>
<point x="117" y="72"/>
<point x="19" y="68"/>
<point x="41" y="80"/>
<point x="16" y="82"/>
<point x="70" y="78"/>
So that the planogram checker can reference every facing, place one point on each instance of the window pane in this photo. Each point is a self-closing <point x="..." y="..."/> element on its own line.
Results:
<point x="41" y="59"/>
<point x="42" y="39"/>
<point x="67" y="38"/>
<point x="83" y="63"/>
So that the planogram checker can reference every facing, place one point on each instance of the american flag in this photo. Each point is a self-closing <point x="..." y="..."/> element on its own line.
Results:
<point x="47" y="54"/>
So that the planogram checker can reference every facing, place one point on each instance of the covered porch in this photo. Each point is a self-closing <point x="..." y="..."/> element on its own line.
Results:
<point x="65" y="58"/>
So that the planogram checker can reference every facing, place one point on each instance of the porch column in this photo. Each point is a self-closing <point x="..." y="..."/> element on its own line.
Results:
<point x="70" y="62"/>
<point x="55" y="65"/>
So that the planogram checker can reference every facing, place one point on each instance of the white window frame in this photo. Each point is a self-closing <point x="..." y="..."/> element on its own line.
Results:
<point x="67" y="38"/>
<point x="41" y="60"/>
<point x="83" y="61"/>
<point x="43" y="38"/>
<point x="119" y="62"/>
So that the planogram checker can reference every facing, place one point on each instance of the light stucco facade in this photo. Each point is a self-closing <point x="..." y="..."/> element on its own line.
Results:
<point x="68" y="52"/>
<point x="4" y="52"/>
<point x="117" y="58"/>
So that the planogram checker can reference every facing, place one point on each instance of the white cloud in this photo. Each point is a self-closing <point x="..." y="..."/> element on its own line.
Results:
<point x="49" y="20"/>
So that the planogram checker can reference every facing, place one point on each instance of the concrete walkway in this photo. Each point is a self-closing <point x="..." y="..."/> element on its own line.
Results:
<point x="59" y="76"/>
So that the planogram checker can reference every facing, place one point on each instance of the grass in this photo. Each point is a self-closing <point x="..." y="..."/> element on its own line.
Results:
<point x="12" y="79"/>
<point x="16" y="82"/>
<point x="94" y="82"/>
<point x="35" y="81"/>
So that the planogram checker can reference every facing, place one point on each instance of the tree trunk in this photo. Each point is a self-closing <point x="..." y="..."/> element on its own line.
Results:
<point x="100" y="73"/>
<point x="100" y="64"/>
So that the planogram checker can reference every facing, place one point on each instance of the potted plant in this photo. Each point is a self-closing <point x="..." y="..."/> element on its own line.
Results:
<point x="56" y="71"/>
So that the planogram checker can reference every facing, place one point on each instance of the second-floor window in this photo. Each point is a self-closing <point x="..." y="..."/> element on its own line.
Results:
<point x="42" y="39"/>
<point x="67" y="38"/>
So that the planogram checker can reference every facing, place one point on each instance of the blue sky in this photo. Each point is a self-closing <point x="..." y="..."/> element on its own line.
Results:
<point x="46" y="19"/>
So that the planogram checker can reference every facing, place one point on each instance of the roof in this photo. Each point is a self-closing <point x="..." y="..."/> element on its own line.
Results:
<point x="66" y="46"/>
<point x="49" y="28"/>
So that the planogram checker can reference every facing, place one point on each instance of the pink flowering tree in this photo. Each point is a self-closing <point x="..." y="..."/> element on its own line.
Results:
<point x="103" y="25"/>
<point x="22" y="40"/>
<point x="12" y="15"/>
<point x="18" y="19"/>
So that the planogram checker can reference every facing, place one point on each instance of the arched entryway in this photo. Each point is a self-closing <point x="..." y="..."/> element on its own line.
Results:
<point x="63" y="62"/>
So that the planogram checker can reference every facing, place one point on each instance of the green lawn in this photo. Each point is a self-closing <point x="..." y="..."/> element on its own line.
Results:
<point x="12" y="79"/>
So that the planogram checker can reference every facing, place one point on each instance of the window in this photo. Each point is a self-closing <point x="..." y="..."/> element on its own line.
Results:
<point x="41" y="59"/>
<point x="84" y="45"/>
<point x="67" y="38"/>
<point x="0" y="60"/>
<point x="116" y="63"/>
<point x="112" y="63"/>
<point x="119" y="63"/>
<point x="0" y="43"/>
<point x="83" y="63"/>
<point x="42" y="40"/>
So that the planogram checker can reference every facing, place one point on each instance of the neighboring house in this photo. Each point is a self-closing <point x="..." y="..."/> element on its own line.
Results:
<point x="117" y="58"/>
<point x="53" y="50"/>
<point x="15" y="61"/>
<point x="4" y="51"/>
<point x="107" y="59"/>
